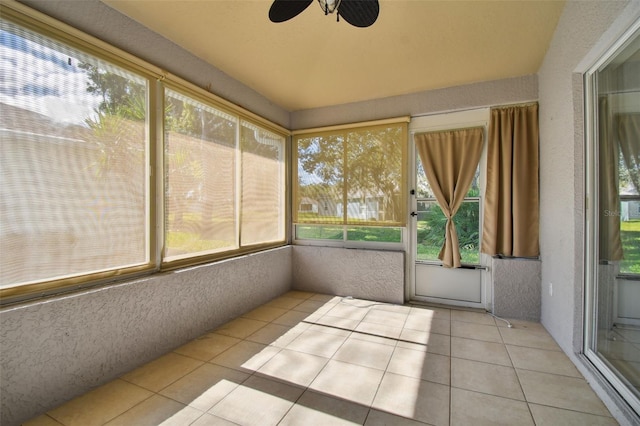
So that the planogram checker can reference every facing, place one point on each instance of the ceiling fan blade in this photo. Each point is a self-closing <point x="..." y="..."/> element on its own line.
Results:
<point x="359" y="13"/>
<point x="283" y="10"/>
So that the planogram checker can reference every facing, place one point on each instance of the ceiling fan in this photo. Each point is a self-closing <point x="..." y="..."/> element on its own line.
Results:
<point x="359" y="13"/>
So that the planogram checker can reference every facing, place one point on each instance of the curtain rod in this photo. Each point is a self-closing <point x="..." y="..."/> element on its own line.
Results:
<point x="403" y="119"/>
<point x="450" y="111"/>
<point x="447" y="130"/>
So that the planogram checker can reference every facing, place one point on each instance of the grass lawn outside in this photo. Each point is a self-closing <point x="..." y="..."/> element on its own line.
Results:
<point x="630" y="234"/>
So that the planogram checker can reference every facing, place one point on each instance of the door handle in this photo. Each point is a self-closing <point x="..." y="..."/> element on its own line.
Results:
<point x="413" y="214"/>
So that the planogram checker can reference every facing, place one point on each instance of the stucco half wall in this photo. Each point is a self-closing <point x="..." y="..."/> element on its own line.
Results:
<point x="516" y="288"/>
<point x="364" y="274"/>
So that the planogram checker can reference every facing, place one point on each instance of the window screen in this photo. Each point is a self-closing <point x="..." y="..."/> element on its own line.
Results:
<point x="224" y="180"/>
<point x="351" y="177"/>
<point x="73" y="162"/>
<point x="200" y="168"/>
<point x="263" y="185"/>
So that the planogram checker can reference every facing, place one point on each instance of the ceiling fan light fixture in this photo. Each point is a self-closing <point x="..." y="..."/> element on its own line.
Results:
<point x="329" y="6"/>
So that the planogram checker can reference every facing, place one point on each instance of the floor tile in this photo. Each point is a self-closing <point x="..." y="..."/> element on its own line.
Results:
<point x="394" y="307"/>
<point x="246" y="356"/>
<point x="421" y="365"/>
<point x="316" y="409"/>
<point x="375" y="339"/>
<point x="291" y="318"/>
<point x="380" y="418"/>
<point x="560" y="391"/>
<point x="468" y="330"/>
<point x="492" y="379"/>
<point x="275" y="335"/>
<point x="478" y="350"/>
<point x="365" y="353"/>
<point x="415" y="336"/>
<point x="343" y="310"/>
<point x="431" y="312"/>
<point x="157" y="410"/>
<point x="43" y="420"/>
<point x="419" y="323"/>
<point x="478" y="409"/>
<point x="348" y="381"/>
<point x="161" y="372"/>
<point x="293" y="367"/>
<point x="210" y="420"/>
<point x="296" y="294"/>
<point x="474" y="317"/>
<point x="265" y="313"/>
<point x="100" y="405"/>
<point x="529" y="338"/>
<point x="329" y="330"/>
<point x="437" y="344"/>
<point x="379" y="330"/>
<point x="284" y="302"/>
<point x="389" y="318"/>
<point x="314" y="306"/>
<point x="257" y="402"/>
<point x="240" y="327"/>
<point x="542" y="360"/>
<point x="413" y="398"/>
<point x="342" y="323"/>
<point x="327" y="298"/>
<point x="208" y="346"/>
<point x="550" y="416"/>
<point x="521" y="324"/>
<point x="205" y="386"/>
<point x="317" y="343"/>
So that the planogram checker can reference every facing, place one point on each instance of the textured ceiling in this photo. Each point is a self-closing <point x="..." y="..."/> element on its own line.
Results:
<point x="313" y="61"/>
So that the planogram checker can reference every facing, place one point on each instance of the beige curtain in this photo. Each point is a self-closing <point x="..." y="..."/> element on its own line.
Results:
<point x="450" y="160"/>
<point x="608" y="187"/>
<point x="511" y="216"/>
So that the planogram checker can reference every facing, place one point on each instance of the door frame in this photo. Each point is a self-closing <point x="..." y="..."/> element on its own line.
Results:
<point x="435" y="122"/>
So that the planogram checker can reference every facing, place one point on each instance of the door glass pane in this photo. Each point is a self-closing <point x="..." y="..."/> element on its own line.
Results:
<point x="431" y="223"/>
<point x="424" y="190"/>
<point x="616" y="287"/>
<point x="200" y="169"/>
<point x="73" y="162"/>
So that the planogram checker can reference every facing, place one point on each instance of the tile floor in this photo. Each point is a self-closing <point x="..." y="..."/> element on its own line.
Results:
<point x="312" y="359"/>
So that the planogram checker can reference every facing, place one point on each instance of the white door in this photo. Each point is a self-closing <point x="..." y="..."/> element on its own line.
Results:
<point x="429" y="280"/>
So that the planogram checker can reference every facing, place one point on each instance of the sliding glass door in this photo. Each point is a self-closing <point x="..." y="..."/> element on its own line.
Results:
<point x="612" y="328"/>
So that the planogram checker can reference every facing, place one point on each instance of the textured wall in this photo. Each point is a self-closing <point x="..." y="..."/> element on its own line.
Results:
<point x="97" y="19"/>
<point x="365" y="274"/>
<point x="478" y="95"/>
<point x="561" y="163"/>
<point x="56" y="349"/>
<point x="516" y="288"/>
<point x="584" y="32"/>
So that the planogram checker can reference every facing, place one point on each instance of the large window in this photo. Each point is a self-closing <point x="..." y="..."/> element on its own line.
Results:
<point x="73" y="162"/>
<point x="86" y="166"/>
<point x="224" y="180"/>
<point x="350" y="184"/>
